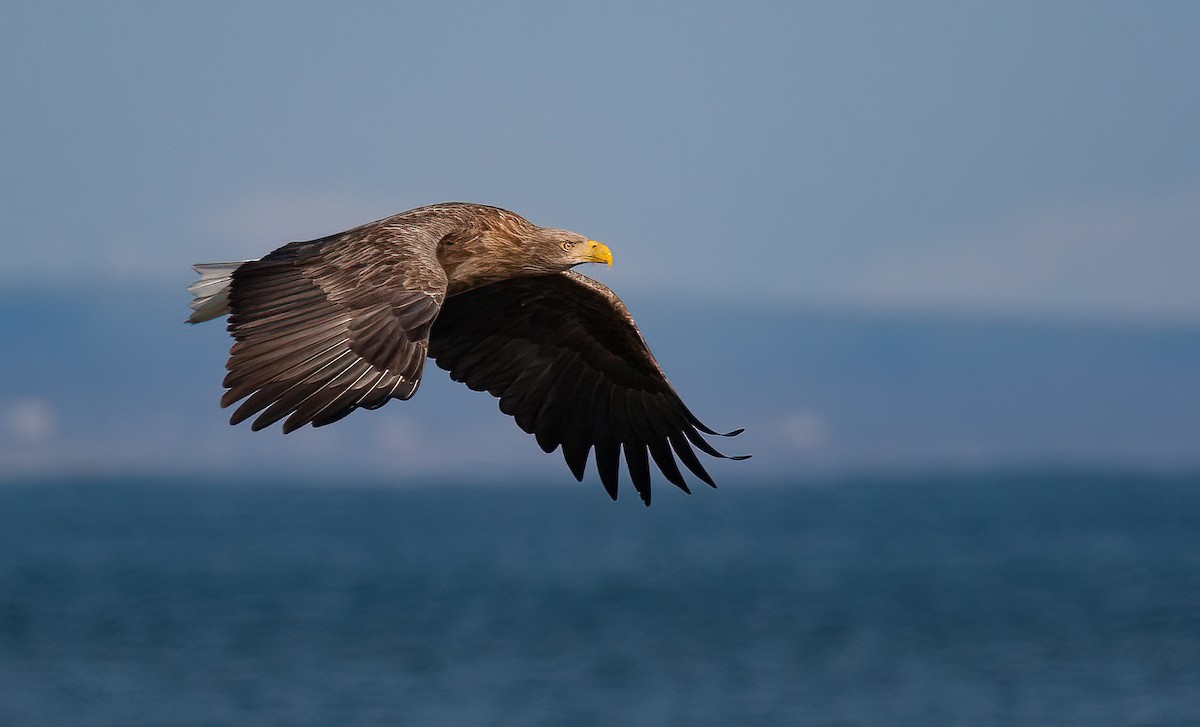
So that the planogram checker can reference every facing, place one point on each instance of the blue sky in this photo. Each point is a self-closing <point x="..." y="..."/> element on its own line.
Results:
<point x="1021" y="158"/>
<point x="1031" y="162"/>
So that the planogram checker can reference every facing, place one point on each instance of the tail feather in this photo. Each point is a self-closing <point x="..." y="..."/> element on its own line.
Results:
<point x="211" y="291"/>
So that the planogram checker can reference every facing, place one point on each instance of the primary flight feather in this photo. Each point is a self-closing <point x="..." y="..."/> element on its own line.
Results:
<point x="324" y="327"/>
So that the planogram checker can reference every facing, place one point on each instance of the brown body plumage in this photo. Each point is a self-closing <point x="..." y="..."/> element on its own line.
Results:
<point x="328" y="326"/>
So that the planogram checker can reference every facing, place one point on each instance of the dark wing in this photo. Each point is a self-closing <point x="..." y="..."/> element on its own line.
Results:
<point x="564" y="357"/>
<point x="328" y="326"/>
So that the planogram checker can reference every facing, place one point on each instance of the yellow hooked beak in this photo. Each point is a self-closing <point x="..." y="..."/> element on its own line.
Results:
<point x="598" y="252"/>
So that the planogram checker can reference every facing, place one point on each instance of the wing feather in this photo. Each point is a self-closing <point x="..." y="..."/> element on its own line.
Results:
<point x="566" y="361"/>
<point x="319" y="334"/>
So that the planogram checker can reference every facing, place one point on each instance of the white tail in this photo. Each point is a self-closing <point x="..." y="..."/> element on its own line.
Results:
<point x="211" y="291"/>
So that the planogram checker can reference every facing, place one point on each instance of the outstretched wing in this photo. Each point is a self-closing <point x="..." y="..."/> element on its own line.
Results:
<point x="325" y="327"/>
<point x="564" y="357"/>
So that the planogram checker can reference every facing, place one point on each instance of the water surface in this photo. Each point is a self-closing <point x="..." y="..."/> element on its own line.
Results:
<point x="1055" y="599"/>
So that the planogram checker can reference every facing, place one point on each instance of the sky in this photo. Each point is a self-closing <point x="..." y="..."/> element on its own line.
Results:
<point x="1034" y="158"/>
<point x="964" y="161"/>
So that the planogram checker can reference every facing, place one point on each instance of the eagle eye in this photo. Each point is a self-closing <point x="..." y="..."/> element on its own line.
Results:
<point x="567" y="245"/>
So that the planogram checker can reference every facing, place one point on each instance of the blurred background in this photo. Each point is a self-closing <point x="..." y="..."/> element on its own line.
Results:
<point x="939" y="259"/>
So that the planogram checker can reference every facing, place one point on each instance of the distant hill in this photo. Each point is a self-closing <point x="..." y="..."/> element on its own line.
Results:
<point x="112" y="381"/>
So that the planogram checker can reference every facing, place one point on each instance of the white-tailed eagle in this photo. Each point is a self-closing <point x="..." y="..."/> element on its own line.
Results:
<point x="328" y="326"/>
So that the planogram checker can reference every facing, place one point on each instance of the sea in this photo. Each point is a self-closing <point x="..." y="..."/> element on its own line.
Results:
<point x="998" y="598"/>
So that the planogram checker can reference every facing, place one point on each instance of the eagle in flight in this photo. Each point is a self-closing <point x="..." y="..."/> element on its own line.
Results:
<point x="327" y="326"/>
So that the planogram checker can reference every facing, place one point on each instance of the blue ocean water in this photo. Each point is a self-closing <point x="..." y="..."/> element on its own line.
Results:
<point x="1030" y="599"/>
